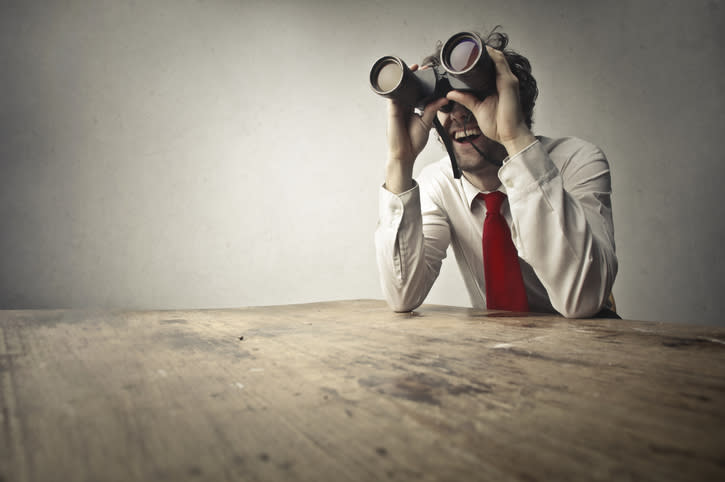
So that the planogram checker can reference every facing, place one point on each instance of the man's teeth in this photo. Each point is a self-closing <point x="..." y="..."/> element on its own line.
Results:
<point x="473" y="131"/>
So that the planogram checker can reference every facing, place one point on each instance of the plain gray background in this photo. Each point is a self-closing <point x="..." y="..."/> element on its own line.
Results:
<point x="193" y="154"/>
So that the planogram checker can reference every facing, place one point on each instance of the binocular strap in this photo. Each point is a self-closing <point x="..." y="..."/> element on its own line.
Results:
<point x="449" y="147"/>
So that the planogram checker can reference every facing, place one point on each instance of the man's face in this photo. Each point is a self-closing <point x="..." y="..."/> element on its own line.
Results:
<point x="461" y="126"/>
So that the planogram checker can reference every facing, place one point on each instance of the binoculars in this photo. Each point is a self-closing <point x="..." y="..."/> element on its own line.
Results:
<point x="464" y="65"/>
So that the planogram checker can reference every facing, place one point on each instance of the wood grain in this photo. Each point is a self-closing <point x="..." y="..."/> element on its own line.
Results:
<point x="351" y="391"/>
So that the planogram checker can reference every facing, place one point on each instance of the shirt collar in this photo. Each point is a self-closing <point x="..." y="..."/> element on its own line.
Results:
<point x="472" y="191"/>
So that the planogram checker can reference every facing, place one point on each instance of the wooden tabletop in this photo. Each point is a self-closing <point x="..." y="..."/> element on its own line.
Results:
<point x="351" y="391"/>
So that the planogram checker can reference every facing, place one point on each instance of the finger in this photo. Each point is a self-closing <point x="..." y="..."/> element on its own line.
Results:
<point x="414" y="67"/>
<point x="466" y="99"/>
<point x="499" y="60"/>
<point x="431" y="110"/>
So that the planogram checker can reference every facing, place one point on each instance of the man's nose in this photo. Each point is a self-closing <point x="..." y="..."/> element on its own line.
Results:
<point x="460" y="113"/>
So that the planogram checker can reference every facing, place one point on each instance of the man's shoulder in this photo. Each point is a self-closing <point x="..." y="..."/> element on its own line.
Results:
<point x="576" y="160"/>
<point x="568" y="147"/>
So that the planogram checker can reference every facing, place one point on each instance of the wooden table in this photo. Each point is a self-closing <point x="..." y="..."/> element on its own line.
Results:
<point x="351" y="391"/>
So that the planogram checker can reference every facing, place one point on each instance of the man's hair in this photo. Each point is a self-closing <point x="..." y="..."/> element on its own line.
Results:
<point x="520" y="67"/>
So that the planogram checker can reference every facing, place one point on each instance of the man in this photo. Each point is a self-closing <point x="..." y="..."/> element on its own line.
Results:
<point x="557" y="202"/>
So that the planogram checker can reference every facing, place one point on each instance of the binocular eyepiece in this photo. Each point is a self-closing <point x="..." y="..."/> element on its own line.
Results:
<point x="464" y="65"/>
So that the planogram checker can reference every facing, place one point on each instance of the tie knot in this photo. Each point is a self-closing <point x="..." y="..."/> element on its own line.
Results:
<point x="493" y="201"/>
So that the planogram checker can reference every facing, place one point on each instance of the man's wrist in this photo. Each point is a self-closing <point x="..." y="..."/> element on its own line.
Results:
<point x="398" y="176"/>
<point x="517" y="144"/>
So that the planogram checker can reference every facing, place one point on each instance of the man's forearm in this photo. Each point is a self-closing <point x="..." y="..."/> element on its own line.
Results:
<point x="398" y="176"/>
<point x="408" y="264"/>
<point x="566" y="237"/>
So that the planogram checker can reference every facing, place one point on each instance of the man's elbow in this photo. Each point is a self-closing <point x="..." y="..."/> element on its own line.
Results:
<point x="581" y="306"/>
<point x="588" y="295"/>
<point x="403" y="306"/>
<point x="580" y="312"/>
<point x="400" y="303"/>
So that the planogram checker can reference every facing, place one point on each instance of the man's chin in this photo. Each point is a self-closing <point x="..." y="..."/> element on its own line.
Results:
<point x="476" y="163"/>
<point x="468" y="156"/>
<point x="477" y="167"/>
<point x="481" y="153"/>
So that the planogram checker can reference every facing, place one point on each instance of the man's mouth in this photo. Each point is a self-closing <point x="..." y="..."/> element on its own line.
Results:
<point x="467" y="135"/>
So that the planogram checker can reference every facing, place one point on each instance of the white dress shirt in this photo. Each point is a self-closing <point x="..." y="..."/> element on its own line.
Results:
<point x="559" y="211"/>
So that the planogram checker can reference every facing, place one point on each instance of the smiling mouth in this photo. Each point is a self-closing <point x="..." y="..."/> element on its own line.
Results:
<point x="467" y="136"/>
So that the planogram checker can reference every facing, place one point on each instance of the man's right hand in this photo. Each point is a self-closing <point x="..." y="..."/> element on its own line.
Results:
<point x="407" y="136"/>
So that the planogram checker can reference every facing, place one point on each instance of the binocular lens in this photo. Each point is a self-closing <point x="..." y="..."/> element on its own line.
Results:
<point x="389" y="76"/>
<point x="463" y="55"/>
<point x="465" y="59"/>
<point x="461" y="52"/>
<point x="386" y="75"/>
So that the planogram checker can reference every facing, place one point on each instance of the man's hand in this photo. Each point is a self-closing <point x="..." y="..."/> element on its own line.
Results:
<point x="499" y="116"/>
<point x="407" y="136"/>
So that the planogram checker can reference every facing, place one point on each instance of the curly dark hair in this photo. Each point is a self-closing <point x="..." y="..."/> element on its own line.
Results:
<point x="520" y="67"/>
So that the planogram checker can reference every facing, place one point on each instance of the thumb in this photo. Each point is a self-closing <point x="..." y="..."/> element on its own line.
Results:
<point x="431" y="110"/>
<point x="466" y="99"/>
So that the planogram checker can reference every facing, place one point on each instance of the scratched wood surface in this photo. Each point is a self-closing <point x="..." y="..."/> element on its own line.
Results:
<point x="350" y="391"/>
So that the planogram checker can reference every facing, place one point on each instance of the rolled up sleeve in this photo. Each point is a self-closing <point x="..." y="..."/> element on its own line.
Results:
<point x="408" y="260"/>
<point x="562" y="224"/>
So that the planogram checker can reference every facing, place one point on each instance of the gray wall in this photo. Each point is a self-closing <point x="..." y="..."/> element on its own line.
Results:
<point x="184" y="154"/>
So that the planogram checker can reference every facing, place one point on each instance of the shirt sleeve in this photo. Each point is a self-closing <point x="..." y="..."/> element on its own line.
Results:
<point x="410" y="244"/>
<point x="562" y="224"/>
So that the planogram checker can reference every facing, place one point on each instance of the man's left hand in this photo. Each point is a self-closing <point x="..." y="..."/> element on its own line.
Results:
<point x="499" y="116"/>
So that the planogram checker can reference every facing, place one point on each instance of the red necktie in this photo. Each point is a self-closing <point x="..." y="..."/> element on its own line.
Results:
<point x="504" y="283"/>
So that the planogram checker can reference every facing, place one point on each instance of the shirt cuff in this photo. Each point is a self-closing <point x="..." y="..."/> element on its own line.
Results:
<point x="528" y="169"/>
<point x="392" y="207"/>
